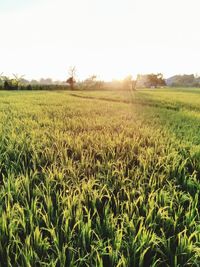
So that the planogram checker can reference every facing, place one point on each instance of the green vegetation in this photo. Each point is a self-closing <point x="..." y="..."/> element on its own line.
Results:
<point x="186" y="80"/>
<point x="100" y="178"/>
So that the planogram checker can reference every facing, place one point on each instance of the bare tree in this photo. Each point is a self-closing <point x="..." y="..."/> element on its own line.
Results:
<point x="72" y="74"/>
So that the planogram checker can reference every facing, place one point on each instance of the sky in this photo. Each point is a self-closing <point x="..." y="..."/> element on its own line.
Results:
<point x="108" y="38"/>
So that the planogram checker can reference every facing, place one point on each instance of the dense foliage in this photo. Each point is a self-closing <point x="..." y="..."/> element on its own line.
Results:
<point x="189" y="80"/>
<point x="150" y="80"/>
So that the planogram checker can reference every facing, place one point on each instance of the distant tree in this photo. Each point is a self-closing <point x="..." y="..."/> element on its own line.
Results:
<point x="42" y="81"/>
<point x="45" y="81"/>
<point x="17" y="81"/>
<point x="89" y="83"/>
<point x="92" y="82"/>
<point x="6" y="85"/>
<point x="48" y="81"/>
<point x="57" y="82"/>
<point x="14" y="83"/>
<point x="100" y="84"/>
<point x="134" y="84"/>
<point x="28" y="87"/>
<point x="129" y="83"/>
<point x="72" y="74"/>
<point x="33" y="82"/>
<point x="24" y="81"/>
<point x="92" y="77"/>
<point x="155" y="80"/>
<point x="161" y="80"/>
<point x="151" y="80"/>
<point x="1" y="79"/>
<point x="183" y="80"/>
<point x="10" y="84"/>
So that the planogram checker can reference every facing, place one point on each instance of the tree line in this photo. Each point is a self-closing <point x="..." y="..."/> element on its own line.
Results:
<point x="151" y="80"/>
<point x="186" y="80"/>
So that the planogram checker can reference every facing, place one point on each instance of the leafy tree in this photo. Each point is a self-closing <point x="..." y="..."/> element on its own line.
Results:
<point x="155" y="80"/>
<point x="184" y="80"/>
<point x="151" y="80"/>
<point x="13" y="84"/>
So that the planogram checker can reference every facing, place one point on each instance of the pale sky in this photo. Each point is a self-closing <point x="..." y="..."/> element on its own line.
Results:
<point x="110" y="38"/>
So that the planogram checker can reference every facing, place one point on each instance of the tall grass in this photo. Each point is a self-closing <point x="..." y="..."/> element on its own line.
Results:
<point x="96" y="182"/>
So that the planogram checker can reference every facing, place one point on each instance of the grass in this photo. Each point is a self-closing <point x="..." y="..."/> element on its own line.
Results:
<point x="100" y="178"/>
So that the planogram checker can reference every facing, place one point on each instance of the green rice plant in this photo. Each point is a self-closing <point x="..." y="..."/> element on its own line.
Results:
<point x="99" y="178"/>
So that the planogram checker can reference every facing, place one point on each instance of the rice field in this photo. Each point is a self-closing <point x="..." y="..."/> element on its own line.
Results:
<point x="105" y="179"/>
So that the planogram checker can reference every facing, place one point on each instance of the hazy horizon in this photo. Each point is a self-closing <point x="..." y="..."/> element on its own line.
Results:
<point x="109" y="38"/>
